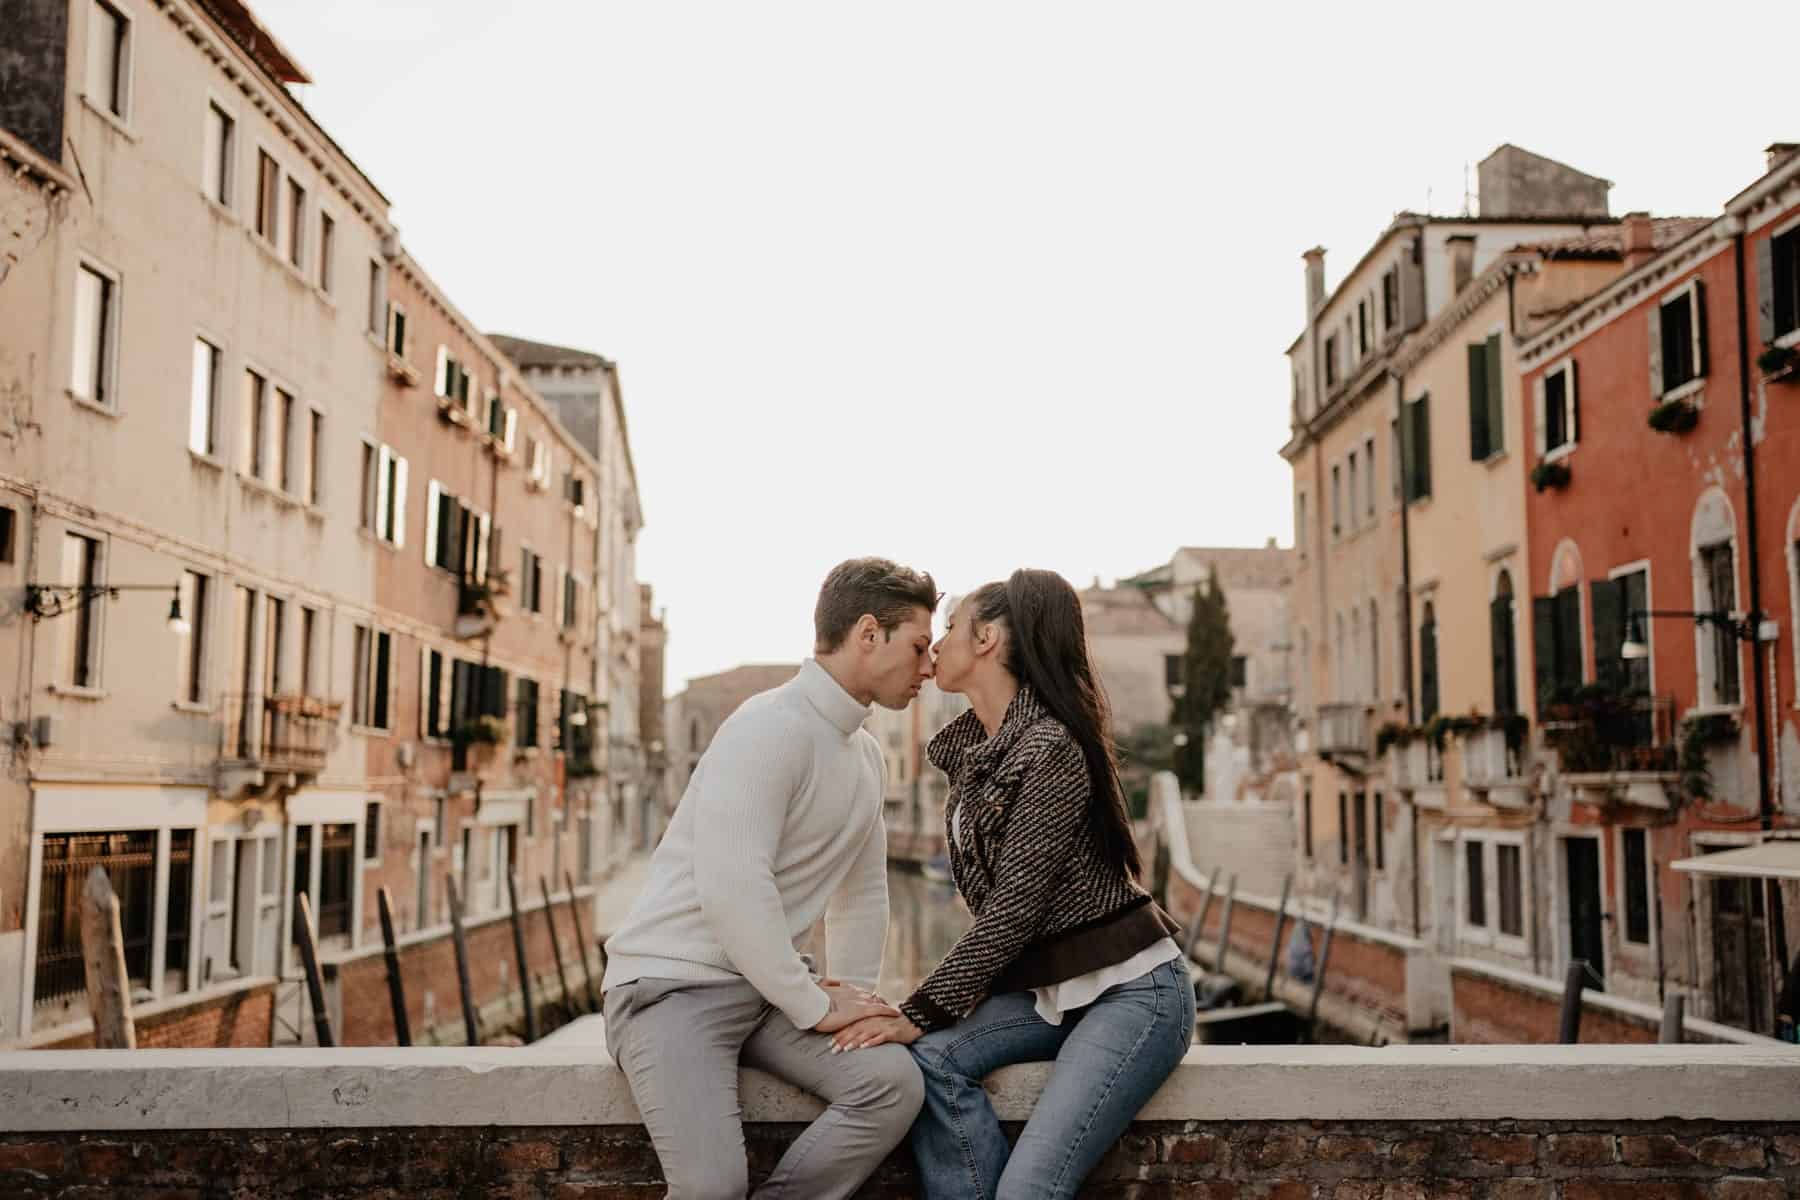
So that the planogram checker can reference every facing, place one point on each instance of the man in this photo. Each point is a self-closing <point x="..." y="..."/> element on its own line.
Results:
<point x="780" y="825"/>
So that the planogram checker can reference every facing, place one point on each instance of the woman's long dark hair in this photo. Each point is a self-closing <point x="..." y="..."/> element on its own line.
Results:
<point x="1047" y="650"/>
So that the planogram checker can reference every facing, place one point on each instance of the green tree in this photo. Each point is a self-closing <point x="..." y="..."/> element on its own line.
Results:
<point x="1206" y="682"/>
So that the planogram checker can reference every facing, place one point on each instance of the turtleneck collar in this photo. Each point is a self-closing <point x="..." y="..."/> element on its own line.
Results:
<point x="825" y="694"/>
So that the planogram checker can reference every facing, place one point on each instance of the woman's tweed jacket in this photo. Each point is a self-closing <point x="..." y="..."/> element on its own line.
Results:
<point x="1047" y="904"/>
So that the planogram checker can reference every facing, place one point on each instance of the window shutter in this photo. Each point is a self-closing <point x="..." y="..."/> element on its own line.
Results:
<point x="1539" y="437"/>
<point x="1608" y="607"/>
<point x="1656" y="351"/>
<point x="1412" y="289"/>
<point x="443" y="371"/>
<point x="512" y="429"/>
<point x="1422" y="443"/>
<point x="425" y="708"/>
<point x="493" y="692"/>
<point x="399" y="503"/>
<point x="1698" y="316"/>
<point x="1543" y="647"/>
<point x="377" y="521"/>
<point x="1765" y="290"/>
<point x="1574" y="401"/>
<point x="1478" y="403"/>
<point x="484" y="527"/>
<point x="432" y="492"/>
<point x="1568" y="637"/>
<point x="1409" y="455"/>
<point x="1428" y="670"/>
<point x="1496" y="398"/>
<point x="1500" y="635"/>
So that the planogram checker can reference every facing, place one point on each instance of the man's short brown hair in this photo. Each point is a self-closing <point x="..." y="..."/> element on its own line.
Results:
<point x="882" y="588"/>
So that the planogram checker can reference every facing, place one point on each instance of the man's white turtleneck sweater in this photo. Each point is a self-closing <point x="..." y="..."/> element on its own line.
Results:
<point x="780" y="824"/>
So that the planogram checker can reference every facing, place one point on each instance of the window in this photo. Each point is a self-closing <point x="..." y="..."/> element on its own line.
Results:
<point x="458" y="538"/>
<point x="8" y="534"/>
<point x="96" y="330"/>
<point x="396" y="331"/>
<point x="203" y="411"/>
<point x="1173" y="667"/>
<point x="1390" y="298"/>
<point x="540" y="463"/>
<point x="275" y="682"/>
<point x="434" y="694"/>
<point x="384" y="493"/>
<point x="531" y="581"/>
<point x="1380" y="833"/>
<point x="1677" y="340"/>
<point x="1331" y="361"/>
<point x="1415" y="448"/>
<point x="1363" y="310"/>
<point x="108" y="58"/>
<point x="1337" y="501"/>
<point x="1240" y="671"/>
<point x="371" y="851"/>
<point x="377" y="297"/>
<point x="1343" y="829"/>
<point x="309" y="651"/>
<point x="1369" y="475"/>
<point x="1558" y="409"/>
<point x="452" y="379"/>
<point x="1718" y="580"/>
<point x="194" y="595"/>
<point x="296" y="223"/>
<point x="268" y="199"/>
<point x="221" y="151"/>
<point x="1509" y="876"/>
<point x="284" y="434"/>
<point x="1306" y="820"/>
<point x="1556" y="643"/>
<point x="327" y="250"/>
<point x="372" y="665"/>
<point x="253" y="453"/>
<point x="575" y="490"/>
<point x="1300" y="528"/>
<point x="1428" y="664"/>
<point x="440" y="821"/>
<point x="130" y="860"/>
<point x="337" y="867"/>
<point x="1350" y="492"/>
<point x="1487" y="408"/>
<point x="1394" y="448"/>
<point x="81" y="567"/>
<point x="312" y="465"/>
<point x="1778" y="284"/>
<point x="1474" y="885"/>
<point x="1504" y="646"/>
<point x="1634" y="843"/>
<point x="525" y="714"/>
<point x="1611" y="603"/>
<point x="571" y="599"/>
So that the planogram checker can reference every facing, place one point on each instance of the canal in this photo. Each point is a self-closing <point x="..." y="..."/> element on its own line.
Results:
<point x="924" y="920"/>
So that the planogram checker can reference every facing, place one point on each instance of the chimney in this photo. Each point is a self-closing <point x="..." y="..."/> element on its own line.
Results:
<point x="1462" y="261"/>
<point x="1315" y="280"/>
<point x="1640" y="244"/>
<point x="1780" y="152"/>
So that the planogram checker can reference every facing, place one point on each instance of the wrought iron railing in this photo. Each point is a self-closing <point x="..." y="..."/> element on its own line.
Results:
<point x="129" y="859"/>
<point x="282" y="733"/>
<point x="1343" y="728"/>
<point x="1599" y="733"/>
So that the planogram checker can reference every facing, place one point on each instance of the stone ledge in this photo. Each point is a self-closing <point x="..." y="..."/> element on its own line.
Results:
<point x="565" y="1084"/>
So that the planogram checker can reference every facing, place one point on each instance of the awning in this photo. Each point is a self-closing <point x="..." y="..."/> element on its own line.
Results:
<point x="1769" y="860"/>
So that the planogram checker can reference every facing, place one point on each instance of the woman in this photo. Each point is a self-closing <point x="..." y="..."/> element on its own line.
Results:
<point x="1067" y="958"/>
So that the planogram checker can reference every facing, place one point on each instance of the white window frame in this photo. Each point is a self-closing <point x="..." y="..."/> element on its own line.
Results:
<point x="228" y="153"/>
<point x="396" y="323"/>
<point x="326" y="251"/>
<point x="271" y="237"/>
<point x="1490" y="935"/>
<point x="1561" y="832"/>
<point x="1706" y="691"/>
<point x="61" y="671"/>
<point x="198" y="612"/>
<point x="373" y="635"/>
<point x="1646" y="626"/>
<point x="296" y="210"/>
<point x="1567" y="551"/>
<point x="110" y="326"/>
<point x="1565" y="367"/>
<point x="1696" y="339"/>
<point x="215" y="401"/>
<point x="125" y="67"/>
<point x="377" y="314"/>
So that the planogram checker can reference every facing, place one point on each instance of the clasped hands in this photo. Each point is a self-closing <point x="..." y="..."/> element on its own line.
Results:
<point x="859" y="1018"/>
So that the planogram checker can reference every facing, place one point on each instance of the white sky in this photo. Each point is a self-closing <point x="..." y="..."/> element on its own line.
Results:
<point x="974" y="285"/>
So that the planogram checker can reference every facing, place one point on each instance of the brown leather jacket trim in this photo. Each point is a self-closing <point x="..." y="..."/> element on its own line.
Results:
<point x="1102" y="942"/>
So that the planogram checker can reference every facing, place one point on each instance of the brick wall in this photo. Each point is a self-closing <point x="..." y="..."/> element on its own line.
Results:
<point x="238" y="1019"/>
<point x="1256" y="1160"/>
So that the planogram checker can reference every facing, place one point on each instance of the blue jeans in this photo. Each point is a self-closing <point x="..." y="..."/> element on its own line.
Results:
<point x="1110" y="1058"/>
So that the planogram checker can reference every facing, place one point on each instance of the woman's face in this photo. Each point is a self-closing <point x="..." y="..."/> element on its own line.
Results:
<point x="956" y="651"/>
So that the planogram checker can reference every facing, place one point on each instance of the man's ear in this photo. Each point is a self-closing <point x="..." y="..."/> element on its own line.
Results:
<point x="867" y="631"/>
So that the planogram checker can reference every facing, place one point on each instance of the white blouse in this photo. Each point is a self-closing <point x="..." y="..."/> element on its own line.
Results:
<point x="1059" y="998"/>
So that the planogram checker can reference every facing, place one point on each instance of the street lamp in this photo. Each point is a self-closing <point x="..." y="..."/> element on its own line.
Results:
<point x="46" y="600"/>
<point x="1747" y="629"/>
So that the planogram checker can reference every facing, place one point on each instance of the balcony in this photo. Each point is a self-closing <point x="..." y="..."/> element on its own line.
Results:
<point x="1406" y="764"/>
<point x="1495" y="766"/>
<point x="481" y="604"/>
<point x="1344" y="728"/>
<point x="1617" y="749"/>
<point x="279" y="733"/>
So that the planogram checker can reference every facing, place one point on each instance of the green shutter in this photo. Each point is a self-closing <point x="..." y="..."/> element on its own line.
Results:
<point x="1568" y="637"/>
<point x="1479" y="448"/>
<point x="1543" y="647"/>
<point x="1765" y="290"/>
<point x="1428" y="671"/>
<point x="1500" y="637"/>
<point x="1496" y="398"/>
<point x="1409" y="454"/>
<point x="1422" y="445"/>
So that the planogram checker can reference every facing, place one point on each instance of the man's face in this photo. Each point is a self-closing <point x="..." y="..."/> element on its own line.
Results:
<point x="899" y="663"/>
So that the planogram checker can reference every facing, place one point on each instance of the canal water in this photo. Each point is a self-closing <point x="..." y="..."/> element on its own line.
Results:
<point x="924" y="920"/>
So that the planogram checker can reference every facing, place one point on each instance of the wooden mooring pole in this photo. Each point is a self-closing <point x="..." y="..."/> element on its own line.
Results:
<point x="307" y="932"/>
<point x="581" y="945"/>
<point x="562" y="979"/>
<point x="471" y="1027"/>
<point x="1287" y="884"/>
<point x="390" y="953"/>
<point x="1199" y="925"/>
<point x="103" y="962"/>
<point x="518" y="932"/>
<point x="1312" y="1008"/>
<point x="1225" y="926"/>
<point x="1674" y="1019"/>
<point x="1574" y="981"/>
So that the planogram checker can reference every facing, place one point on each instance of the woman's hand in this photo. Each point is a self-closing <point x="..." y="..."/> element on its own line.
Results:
<point x="875" y="1031"/>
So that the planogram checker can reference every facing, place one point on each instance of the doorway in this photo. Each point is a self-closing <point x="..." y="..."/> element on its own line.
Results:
<point x="1587" y="935"/>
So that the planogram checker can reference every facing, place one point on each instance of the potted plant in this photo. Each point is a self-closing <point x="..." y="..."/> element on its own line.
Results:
<point x="1674" y="416"/>
<point x="1549" y="474"/>
<point x="1779" y="362"/>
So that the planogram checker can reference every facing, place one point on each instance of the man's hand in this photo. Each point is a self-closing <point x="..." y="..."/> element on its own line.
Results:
<point x="874" y="1031"/>
<point x="849" y="1005"/>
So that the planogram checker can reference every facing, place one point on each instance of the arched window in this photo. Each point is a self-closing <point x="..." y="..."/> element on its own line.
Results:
<point x="1428" y="665"/>
<point x="1713" y="542"/>
<point x="1505" y="648"/>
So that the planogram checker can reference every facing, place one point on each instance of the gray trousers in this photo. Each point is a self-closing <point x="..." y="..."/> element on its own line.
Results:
<point x="680" y="1043"/>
